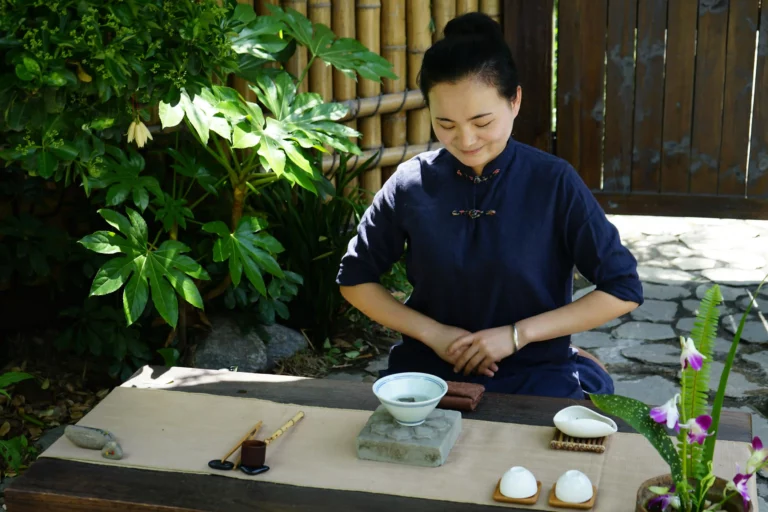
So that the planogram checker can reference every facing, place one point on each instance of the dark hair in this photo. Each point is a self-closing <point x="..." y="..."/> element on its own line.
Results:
<point x="473" y="46"/>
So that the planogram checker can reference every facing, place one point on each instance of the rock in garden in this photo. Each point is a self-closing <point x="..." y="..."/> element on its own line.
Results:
<point x="228" y="344"/>
<point x="664" y="292"/>
<point x="582" y="292"/>
<point x="760" y="359"/>
<point x="654" y="390"/>
<point x="738" y="385"/>
<point x="661" y="275"/>
<point x="655" y="311"/>
<point x="50" y="437"/>
<point x="734" y="276"/>
<point x="754" y="330"/>
<point x="282" y="342"/>
<point x="694" y="263"/>
<point x="644" y="331"/>
<point x="94" y="439"/>
<point x="729" y="293"/>
<point x="592" y="339"/>
<point x="656" y="353"/>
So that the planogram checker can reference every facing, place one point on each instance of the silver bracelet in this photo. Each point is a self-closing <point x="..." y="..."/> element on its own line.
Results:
<point x="515" y="338"/>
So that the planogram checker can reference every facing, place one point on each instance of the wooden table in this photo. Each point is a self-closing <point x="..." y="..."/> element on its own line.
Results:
<point x="54" y="485"/>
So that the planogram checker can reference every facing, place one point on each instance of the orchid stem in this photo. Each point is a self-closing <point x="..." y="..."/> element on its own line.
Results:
<point x="684" y="458"/>
<point x="727" y="497"/>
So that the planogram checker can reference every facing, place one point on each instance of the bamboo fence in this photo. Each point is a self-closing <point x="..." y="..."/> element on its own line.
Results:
<point x="391" y="116"/>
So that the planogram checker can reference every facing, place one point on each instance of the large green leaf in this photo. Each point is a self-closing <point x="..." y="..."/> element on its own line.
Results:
<point x="345" y="54"/>
<point x="187" y="165"/>
<point x="248" y="249"/>
<point x="637" y="415"/>
<point x="201" y="113"/>
<point x="260" y="38"/>
<point x="112" y="275"/>
<point x="124" y="180"/>
<point x="145" y="271"/>
<point x="696" y="389"/>
<point x="169" y="115"/>
<point x="172" y="211"/>
<point x="276" y="94"/>
<point x="299" y="122"/>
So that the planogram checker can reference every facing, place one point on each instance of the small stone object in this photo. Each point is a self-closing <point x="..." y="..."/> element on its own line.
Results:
<point x="94" y="439"/>
<point x="384" y="440"/>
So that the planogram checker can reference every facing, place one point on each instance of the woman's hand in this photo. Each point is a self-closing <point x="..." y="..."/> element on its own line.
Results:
<point x="440" y="338"/>
<point x="445" y="336"/>
<point x="481" y="351"/>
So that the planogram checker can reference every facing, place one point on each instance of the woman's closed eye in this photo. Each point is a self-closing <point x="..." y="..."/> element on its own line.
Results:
<point x="477" y="125"/>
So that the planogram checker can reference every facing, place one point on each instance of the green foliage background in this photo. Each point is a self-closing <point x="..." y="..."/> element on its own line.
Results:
<point x="134" y="234"/>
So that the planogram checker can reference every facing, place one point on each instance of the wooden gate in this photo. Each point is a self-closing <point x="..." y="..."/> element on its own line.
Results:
<point x="661" y="105"/>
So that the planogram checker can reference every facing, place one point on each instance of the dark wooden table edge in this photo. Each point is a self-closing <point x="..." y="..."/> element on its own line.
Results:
<point x="262" y="495"/>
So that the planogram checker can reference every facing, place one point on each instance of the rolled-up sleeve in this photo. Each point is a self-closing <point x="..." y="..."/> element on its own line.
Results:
<point x="379" y="241"/>
<point x="594" y="242"/>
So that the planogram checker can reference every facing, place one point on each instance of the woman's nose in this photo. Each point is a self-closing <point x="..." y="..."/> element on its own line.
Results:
<point x="467" y="139"/>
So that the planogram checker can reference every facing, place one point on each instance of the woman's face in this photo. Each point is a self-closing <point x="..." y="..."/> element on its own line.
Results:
<point x="472" y="120"/>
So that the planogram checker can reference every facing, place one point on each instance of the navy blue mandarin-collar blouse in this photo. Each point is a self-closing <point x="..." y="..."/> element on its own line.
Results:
<point x="490" y="250"/>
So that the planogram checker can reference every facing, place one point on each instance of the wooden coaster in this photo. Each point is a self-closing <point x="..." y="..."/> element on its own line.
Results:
<point x="554" y="502"/>
<point x="497" y="496"/>
<point x="562" y="441"/>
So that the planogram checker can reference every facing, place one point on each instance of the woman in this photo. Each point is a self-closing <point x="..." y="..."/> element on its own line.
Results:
<point x="493" y="230"/>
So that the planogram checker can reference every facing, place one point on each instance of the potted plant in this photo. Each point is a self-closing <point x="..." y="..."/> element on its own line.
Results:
<point x="691" y="485"/>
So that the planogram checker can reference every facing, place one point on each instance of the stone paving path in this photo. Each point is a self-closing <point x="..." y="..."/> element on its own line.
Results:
<point x="679" y="259"/>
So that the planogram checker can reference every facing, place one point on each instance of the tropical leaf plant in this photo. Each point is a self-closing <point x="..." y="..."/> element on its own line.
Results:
<point x="79" y="77"/>
<point x="248" y="249"/>
<point x="144" y="267"/>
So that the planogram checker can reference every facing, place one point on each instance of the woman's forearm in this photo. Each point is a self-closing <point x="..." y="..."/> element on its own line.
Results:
<point x="592" y="310"/>
<point x="374" y="301"/>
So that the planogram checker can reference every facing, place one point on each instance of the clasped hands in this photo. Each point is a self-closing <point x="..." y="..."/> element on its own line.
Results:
<point x="474" y="352"/>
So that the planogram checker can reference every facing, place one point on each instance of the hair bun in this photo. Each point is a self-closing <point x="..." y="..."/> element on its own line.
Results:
<point x="473" y="24"/>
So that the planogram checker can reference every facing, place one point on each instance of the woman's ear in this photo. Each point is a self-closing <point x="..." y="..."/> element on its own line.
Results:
<point x="516" y="101"/>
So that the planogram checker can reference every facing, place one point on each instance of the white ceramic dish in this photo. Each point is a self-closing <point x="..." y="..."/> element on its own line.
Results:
<point x="573" y="487"/>
<point x="410" y="396"/>
<point x="578" y="421"/>
<point x="518" y="483"/>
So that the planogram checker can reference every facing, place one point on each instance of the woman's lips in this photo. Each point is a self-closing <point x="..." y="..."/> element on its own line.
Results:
<point x="473" y="152"/>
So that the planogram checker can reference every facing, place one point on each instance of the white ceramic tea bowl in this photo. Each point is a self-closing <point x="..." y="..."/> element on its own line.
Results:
<point x="578" y="421"/>
<point x="573" y="487"/>
<point x="518" y="483"/>
<point x="411" y="396"/>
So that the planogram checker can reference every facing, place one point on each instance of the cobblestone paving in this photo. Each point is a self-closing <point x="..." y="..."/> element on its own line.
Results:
<point x="679" y="259"/>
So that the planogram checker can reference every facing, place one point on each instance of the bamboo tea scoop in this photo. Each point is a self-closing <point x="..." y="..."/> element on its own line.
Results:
<point x="223" y="463"/>
<point x="253" y="452"/>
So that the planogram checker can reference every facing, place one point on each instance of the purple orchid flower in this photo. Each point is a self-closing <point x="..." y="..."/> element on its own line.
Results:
<point x="666" y="497"/>
<point x="668" y="413"/>
<point x="758" y="457"/>
<point x="689" y="355"/>
<point x="697" y="428"/>
<point x="739" y="484"/>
